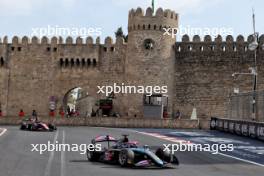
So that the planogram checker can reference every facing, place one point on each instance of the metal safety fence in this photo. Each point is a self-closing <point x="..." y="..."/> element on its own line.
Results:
<point x="246" y="106"/>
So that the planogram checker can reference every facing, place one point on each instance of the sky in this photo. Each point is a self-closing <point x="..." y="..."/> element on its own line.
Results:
<point x="27" y="17"/>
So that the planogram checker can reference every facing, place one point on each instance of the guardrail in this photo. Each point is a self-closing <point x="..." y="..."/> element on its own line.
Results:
<point x="117" y="122"/>
<point x="239" y="127"/>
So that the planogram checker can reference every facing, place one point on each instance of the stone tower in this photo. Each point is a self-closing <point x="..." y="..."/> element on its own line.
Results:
<point x="150" y="59"/>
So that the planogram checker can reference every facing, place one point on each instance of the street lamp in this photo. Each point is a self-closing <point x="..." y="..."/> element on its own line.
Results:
<point x="252" y="72"/>
<point x="253" y="46"/>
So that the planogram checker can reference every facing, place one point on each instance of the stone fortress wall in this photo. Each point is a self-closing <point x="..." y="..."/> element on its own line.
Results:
<point x="34" y="70"/>
<point x="204" y="69"/>
<point x="198" y="73"/>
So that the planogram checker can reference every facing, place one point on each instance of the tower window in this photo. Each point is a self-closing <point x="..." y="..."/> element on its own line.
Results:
<point x="149" y="44"/>
<point x="83" y="62"/>
<point x="19" y="48"/>
<point x="66" y="62"/>
<point x="72" y="62"/>
<point x="78" y="62"/>
<point x="94" y="62"/>
<point x="2" y="62"/>
<point x="61" y="62"/>
<point x="88" y="62"/>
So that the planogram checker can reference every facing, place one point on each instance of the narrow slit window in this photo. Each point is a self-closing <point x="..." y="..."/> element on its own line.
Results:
<point x="94" y="62"/>
<point x="61" y="62"/>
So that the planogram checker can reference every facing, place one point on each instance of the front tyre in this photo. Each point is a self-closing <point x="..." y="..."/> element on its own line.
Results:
<point x="167" y="156"/>
<point x="175" y="160"/>
<point x="52" y="127"/>
<point x="23" y="127"/>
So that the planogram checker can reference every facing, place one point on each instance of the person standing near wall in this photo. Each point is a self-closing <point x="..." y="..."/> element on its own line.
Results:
<point x="68" y="111"/>
<point x="34" y="114"/>
<point x="21" y="113"/>
<point x="178" y="115"/>
<point x="52" y="113"/>
<point x="62" y="113"/>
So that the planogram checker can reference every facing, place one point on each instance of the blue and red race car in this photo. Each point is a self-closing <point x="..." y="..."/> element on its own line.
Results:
<point x="128" y="153"/>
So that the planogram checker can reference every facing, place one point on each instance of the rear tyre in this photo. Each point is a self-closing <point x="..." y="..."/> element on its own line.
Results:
<point x="23" y="127"/>
<point x="91" y="155"/>
<point x="123" y="157"/>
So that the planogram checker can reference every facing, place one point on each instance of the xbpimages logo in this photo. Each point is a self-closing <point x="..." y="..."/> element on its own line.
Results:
<point x="130" y="89"/>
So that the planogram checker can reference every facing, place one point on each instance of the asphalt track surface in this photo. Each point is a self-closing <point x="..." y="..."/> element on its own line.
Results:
<point x="17" y="159"/>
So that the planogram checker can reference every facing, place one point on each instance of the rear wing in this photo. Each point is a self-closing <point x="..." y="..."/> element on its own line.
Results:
<point x="104" y="138"/>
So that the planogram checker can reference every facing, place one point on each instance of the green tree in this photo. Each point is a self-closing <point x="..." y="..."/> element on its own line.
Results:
<point x="120" y="33"/>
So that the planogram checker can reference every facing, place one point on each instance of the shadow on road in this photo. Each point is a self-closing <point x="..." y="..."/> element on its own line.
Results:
<point x="79" y="161"/>
<point x="109" y="166"/>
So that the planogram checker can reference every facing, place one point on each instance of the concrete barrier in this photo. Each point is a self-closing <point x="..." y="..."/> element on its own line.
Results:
<point x="240" y="127"/>
<point x="118" y="122"/>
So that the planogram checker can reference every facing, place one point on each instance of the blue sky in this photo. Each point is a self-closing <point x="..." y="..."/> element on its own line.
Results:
<point x="18" y="17"/>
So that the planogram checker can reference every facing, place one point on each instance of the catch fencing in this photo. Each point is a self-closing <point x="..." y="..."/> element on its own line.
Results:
<point x="246" y="106"/>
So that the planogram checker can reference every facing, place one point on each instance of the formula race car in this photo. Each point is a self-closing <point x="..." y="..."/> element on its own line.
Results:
<point x="35" y="125"/>
<point x="128" y="153"/>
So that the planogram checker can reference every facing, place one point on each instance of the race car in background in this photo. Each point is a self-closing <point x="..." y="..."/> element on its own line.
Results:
<point x="128" y="153"/>
<point x="35" y="125"/>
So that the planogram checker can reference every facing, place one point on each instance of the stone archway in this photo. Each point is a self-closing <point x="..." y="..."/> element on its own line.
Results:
<point x="79" y="101"/>
<point x="70" y="97"/>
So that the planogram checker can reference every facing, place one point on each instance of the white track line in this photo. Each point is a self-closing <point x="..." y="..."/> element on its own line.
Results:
<point x="48" y="167"/>
<point x="240" y="159"/>
<point x="183" y="141"/>
<point x="3" y="131"/>
<point x="63" y="155"/>
<point x="171" y="139"/>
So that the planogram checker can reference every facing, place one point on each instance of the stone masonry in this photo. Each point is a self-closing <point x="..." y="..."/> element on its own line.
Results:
<point x="198" y="72"/>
